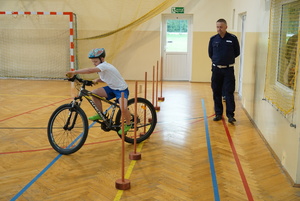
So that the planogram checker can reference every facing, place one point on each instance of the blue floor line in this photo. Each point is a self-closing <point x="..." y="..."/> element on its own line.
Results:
<point x="211" y="160"/>
<point x="40" y="174"/>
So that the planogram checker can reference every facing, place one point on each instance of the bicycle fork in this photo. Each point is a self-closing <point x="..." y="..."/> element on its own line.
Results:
<point x="71" y="113"/>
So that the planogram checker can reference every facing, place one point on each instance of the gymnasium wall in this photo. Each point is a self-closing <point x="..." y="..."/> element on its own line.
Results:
<point x="274" y="127"/>
<point x="137" y="50"/>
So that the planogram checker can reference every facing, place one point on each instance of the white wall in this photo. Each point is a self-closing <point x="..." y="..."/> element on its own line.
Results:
<point x="283" y="139"/>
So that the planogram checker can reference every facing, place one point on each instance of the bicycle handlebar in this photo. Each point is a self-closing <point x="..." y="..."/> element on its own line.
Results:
<point x="85" y="82"/>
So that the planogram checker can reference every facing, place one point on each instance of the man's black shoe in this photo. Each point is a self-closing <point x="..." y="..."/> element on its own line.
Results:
<point x="231" y="120"/>
<point x="218" y="117"/>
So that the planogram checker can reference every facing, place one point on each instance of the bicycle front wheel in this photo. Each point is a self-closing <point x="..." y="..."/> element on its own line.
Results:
<point x="146" y="120"/>
<point x="67" y="129"/>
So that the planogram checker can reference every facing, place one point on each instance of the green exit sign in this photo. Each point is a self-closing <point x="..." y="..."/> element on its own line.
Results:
<point x="177" y="10"/>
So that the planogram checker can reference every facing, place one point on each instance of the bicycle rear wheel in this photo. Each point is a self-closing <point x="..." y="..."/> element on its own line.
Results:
<point x="67" y="129"/>
<point x="146" y="120"/>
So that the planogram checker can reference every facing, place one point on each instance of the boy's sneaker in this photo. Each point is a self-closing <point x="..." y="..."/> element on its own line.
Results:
<point x="95" y="117"/>
<point x="126" y="129"/>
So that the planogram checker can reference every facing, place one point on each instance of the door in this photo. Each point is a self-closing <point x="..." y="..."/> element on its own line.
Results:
<point x="242" y="42"/>
<point x="176" y="47"/>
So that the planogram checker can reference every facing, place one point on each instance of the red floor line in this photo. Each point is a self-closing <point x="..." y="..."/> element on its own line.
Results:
<point x="92" y="143"/>
<point x="17" y="152"/>
<point x="237" y="161"/>
<point x="32" y="110"/>
<point x="203" y="119"/>
<point x="34" y="150"/>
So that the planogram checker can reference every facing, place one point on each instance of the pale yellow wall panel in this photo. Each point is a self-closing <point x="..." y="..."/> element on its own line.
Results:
<point x="139" y="54"/>
<point x="132" y="54"/>
<point x="248" y="88"/>
<point x="201" y="63"/>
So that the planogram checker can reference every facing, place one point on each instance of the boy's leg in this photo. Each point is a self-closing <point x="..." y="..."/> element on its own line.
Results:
<point x="127" y="125"/>
<point x="126" y="111"/>
<point x="100" y="92"/>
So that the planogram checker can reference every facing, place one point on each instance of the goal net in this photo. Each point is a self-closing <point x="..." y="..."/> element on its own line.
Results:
<point x="36" y="45"/>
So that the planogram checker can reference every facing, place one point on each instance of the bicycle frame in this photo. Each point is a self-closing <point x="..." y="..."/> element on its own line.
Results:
<point x="108" y="121"/>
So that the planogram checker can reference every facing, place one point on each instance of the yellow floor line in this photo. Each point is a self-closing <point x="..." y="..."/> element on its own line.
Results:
<point x="128" y="172"/>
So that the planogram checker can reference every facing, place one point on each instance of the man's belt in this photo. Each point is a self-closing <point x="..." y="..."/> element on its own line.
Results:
<point x="224" y="66"/>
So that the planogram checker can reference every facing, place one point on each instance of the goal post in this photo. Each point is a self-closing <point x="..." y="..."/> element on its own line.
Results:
<point x="36" y="45"/>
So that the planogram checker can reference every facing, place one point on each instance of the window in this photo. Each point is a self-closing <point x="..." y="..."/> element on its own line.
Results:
<point x="288" y="44"/>
<point x="283" y="55"/>
<point x="177" y="35"/>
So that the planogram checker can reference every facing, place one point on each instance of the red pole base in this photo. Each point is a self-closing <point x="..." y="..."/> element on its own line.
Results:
<point x="135" y="156"/>
<point x="157" y="108"/>
<point x="161" y="99"/>
<point x="122" y="185"/>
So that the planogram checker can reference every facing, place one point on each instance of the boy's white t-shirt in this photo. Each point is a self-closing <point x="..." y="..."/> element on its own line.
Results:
<point x="111" y="76"/>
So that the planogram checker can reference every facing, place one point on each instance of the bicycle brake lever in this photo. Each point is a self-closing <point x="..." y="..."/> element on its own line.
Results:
<point x="71" y="79"/>
<point x="89" y="83"/>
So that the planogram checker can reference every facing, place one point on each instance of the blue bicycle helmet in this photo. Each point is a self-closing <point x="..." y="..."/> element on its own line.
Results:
<point x="97" y="53"/>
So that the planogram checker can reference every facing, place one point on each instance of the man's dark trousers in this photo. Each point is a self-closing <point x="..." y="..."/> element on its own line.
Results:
<point x="223" y="77"/>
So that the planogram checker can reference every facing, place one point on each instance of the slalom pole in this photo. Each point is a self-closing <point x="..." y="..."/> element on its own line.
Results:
<point x="134" y="155"/>
<point x="145" y="85"/>
<point x="157" y="108"/>
<point x="161" y="98"/>
<point x="153" y="81"/>
<point x="123" y="184"/>
<point x="143" y="133"/>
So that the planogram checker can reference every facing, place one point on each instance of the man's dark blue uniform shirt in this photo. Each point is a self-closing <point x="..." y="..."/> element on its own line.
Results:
<point x="223" y="51"/>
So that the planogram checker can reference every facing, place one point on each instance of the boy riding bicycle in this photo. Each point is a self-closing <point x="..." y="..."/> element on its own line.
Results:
<point x="112" y="77"/>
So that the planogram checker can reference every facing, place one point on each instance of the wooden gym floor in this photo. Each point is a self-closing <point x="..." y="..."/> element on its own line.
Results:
<point x="189" y="157"/>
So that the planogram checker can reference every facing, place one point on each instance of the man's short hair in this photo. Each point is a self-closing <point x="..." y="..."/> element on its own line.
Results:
<point x="222" y="20"/>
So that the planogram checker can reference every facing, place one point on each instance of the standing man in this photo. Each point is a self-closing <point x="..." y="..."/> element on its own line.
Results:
<point x="223" y="48"/>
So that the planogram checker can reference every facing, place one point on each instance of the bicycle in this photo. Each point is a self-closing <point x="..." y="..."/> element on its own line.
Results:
<point x="68" y="125"/>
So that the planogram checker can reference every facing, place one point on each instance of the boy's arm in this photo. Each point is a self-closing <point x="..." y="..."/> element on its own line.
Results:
<point x="97" y="80"/>
<point x="83" y="71"/>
